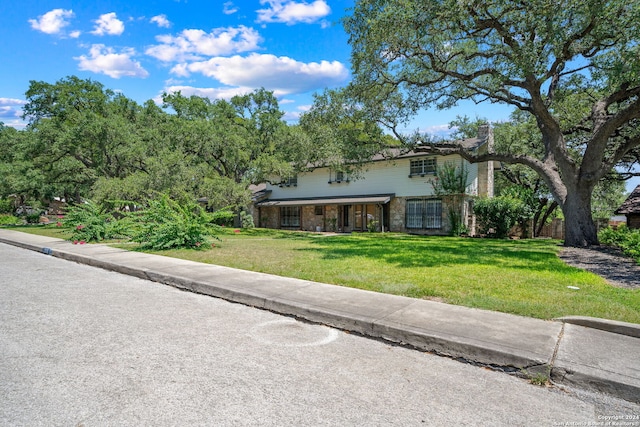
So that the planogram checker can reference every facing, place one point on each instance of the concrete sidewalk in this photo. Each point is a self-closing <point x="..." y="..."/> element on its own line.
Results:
<point x="599" y="355"/>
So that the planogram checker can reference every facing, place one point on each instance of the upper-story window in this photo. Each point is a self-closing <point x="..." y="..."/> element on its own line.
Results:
<point x="426" y="166"/>
<point x="289" y="182"/>
<point x="338" y="177"/>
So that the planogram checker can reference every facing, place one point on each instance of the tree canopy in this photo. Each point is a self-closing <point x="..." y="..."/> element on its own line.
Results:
<point x="85" y="141"/>
<point x="574" y="69"/>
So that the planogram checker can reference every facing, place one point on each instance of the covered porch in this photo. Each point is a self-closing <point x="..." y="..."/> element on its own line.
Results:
<point x="336" y="214"/>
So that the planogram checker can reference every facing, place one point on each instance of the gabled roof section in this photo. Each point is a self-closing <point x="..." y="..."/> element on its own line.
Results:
<point x="259" y="192"/>
<point x="632" y="204"/>
<point x="484" y="137"/>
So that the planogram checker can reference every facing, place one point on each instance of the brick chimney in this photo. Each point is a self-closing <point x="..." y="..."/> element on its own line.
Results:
<point x="485" y="169"/>
<point x="483" y="131"/>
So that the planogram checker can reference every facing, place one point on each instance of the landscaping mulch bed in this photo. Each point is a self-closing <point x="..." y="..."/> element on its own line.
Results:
<point x="607" y="262"/>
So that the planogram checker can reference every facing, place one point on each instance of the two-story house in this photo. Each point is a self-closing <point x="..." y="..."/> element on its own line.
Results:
<point x="390" y="194"/>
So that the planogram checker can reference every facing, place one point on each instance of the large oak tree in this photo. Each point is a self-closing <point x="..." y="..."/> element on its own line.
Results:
<point x="574" y="66"/>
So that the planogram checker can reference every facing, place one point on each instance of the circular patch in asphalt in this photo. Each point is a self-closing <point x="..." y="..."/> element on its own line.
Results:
<point x="292" y="333"/>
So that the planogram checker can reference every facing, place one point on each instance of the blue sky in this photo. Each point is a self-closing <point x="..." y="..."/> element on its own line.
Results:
<point x="201" y="47"/>
<point x="210" y="48"/>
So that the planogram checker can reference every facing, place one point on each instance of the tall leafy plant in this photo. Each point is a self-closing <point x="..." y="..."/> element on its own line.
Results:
<point x="451" y="183"/>
<point x="169" y="224"/>
<point x="89" y="222"/>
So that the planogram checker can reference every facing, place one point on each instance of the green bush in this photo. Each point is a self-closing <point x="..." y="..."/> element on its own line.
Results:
<point x="624" y="238"/>
<point x="246" y="220"/>
<point x="167" y="224"/>
<point x="223" y="217"/>
<point x="6" y="206"/>
<point x="9" y="220"/>
<point x="89" y="222"/>
<point x="498" y="214"/>
<point x="32" y="218"/>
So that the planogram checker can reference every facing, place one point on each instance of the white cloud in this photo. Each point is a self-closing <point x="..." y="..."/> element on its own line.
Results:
<point x="109" y="24"/>
<point x="161" y="21"/>
<point x="104" y="60"/>
<point x="440" y="131"/>
<point x="229" y="8"/>
<point x="293" y="116"/>
<point x="193" y="44"/>
<point x="75" y="34"/>
<point x="11" y="112"/>
<point x="52" y="22"/>
<point x="291" y="12"/>
<point x="282" y="75"/>
<point x="12" y="101"/>
<point x="211" y="93"/>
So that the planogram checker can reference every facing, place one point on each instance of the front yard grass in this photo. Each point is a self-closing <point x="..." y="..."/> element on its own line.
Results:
<point x="523" y="277"/>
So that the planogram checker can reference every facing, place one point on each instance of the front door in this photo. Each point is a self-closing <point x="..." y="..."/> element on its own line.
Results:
<point x="345" y="217"/>
<point x="363" y="215"/>
<point x="358" y="211"/>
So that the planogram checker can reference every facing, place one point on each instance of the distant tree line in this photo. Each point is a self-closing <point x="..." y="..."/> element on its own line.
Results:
<point x="84" y="141"/>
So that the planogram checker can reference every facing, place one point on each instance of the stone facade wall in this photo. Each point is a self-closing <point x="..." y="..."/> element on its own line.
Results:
<point x="330" y="213"/>
<point x="396" y="221"/>
<point x="485" y="169"/>
<point x="397" y="213"/>
<point x="268" y="217"/>
<point x="308" y="219"/>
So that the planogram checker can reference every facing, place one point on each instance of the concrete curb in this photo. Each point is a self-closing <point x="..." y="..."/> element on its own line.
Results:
<point x="504" y="341"/>
<point x="614" y="326"/>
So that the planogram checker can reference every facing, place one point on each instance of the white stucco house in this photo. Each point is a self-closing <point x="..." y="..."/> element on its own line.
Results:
<point x="390" y="194"/>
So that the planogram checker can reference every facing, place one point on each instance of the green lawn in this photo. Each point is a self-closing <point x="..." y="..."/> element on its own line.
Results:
<point x="523" y="277"/>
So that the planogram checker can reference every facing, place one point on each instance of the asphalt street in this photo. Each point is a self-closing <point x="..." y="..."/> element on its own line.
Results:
<point x="81" y="346"/>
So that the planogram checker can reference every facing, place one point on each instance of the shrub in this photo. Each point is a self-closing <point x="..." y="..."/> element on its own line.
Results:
<point x="498" y="214"/>
<point x="6" y="206"/>
<point x="222" y="217"/>
<point x="32" y="218"/>
<point x="246" y="220"/>
<point x="624" y="238"/>
<point x="9" y="220"/>
<point x="167" y="224"/>
<point x="89" y="222"/>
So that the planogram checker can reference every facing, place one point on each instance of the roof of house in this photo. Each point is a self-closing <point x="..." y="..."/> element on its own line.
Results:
<point x="394" y="153"/>
<point x="335" y="200"/>
<point x="632" y="204"/>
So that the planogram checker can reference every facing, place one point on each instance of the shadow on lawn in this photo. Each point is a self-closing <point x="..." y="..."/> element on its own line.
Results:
<point x="422" y="251"/>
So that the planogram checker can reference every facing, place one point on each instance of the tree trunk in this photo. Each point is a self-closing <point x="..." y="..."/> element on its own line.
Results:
<point x="539" y="223"/>
<point x="579" y="228"/>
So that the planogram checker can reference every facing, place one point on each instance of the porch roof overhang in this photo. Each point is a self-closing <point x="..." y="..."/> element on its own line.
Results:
<point x="379" y="199"/>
